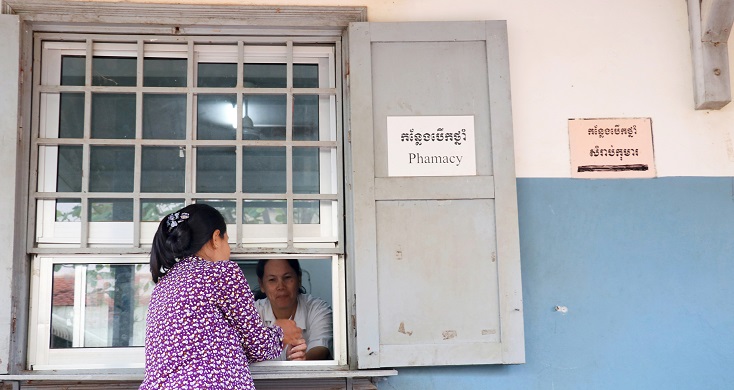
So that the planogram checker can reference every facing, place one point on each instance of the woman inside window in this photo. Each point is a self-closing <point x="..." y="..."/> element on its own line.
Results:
<point x="285" y="298"/>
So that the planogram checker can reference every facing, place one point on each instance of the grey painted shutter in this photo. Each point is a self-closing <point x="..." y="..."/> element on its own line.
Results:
<point x="435" y="261"/>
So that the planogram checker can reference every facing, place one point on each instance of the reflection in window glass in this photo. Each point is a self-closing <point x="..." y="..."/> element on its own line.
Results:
<point x="217" y="75"/>
<point x="164" y="116"/>
<point x="111" y="168"/>
<point x="62" y="306"/>
<point x="305" y="170"/>
<point x="306" y="117"/>
<point x="72" y="70"/>
<point x="264" y="212"/>
<point x="164" y="72"/>
<point x="265" y="75"/>
<point x="305" y="75"/>
<point x="113" y="115"/>
<point x="263" y="170"/>
<point x="215" y="170"/>
<point x="69" y="169"/>
<point x="71" y="115"/>
<point x="114" y="71"/>
<point x="164" y="169"/>
<point x="306" y="211"/>
<point x="116" y="299"/>
<point x="226" y="207"/>
<point x="110" y="210"/>
<point x="266" y="115"/>
<point x="216" y="117"/>
<point x="153" y="210"/>
<point x="68" y="210"/>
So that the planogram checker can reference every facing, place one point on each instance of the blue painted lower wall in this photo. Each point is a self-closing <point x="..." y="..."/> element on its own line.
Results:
<point x="646" y="270"/>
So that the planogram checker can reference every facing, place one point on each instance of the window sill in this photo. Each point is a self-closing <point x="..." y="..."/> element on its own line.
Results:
<point x="137" y="375"/>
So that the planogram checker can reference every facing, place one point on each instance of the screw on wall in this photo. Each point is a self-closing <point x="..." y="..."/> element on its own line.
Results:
<point x="561" y="309"/>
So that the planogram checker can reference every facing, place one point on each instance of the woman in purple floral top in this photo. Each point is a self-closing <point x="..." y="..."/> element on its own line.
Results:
<point x="202" y="325"/>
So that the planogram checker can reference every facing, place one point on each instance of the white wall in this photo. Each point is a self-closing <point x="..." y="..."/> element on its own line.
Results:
<point x="584" y="59"/>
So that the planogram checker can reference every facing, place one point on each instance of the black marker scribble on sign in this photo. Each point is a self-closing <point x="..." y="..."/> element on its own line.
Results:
<point x="613" y="168"/>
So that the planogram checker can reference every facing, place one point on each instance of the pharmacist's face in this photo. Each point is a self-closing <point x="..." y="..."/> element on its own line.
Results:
<point x="280" y="283"/>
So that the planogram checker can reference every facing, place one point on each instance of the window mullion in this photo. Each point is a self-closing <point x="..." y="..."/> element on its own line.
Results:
<point x="190" y="118"/>
<point x="335" y="80"/>
<point x="290" y="210"/>
<point x="33" y="217"/>
<point x="80" y="283"/>
<point x="86" y="149"/>
<point x="239" y="201"/>
<point x="138" y="166"/>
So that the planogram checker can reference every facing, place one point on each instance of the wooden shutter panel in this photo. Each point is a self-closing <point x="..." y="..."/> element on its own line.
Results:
<point x="435" y="261"/>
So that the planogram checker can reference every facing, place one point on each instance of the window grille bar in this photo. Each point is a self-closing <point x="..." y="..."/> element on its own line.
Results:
<point x="138" y="165"/>
<point x="290" y="210"/>
<point x="32" y="225"/>
<point x="190" y="143"/>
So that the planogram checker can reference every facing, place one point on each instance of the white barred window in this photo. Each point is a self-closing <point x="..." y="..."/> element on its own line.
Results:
<point x="130" y="129"/>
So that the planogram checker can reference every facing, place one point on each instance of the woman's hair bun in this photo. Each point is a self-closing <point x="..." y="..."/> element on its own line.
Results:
<point x="179" y="240"/>
<point x="183" y="233"/>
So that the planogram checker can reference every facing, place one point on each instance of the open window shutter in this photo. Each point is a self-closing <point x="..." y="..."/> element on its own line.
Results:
<point x="435" y="259"/>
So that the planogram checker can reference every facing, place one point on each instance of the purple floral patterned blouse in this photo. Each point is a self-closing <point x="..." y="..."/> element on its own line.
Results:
<point x="203" y="329"/>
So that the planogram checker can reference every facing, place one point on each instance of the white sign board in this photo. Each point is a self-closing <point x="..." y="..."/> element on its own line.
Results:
<point x="431" y="146"/>
<point x="611" y="148"/>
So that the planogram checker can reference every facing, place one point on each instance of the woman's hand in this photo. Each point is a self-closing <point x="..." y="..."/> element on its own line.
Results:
<point x="297" y="351"/>
<point x="291" y="333"/>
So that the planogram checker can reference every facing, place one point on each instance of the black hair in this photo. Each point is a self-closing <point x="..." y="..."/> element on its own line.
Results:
<point x="178" y="237"/>
<point x="260" y="271"/>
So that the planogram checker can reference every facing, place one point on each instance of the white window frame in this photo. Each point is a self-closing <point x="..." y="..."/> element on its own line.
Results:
<point x="62" y="242"/>
<point x="325" y="234"/>
<point x="42" y="357"/>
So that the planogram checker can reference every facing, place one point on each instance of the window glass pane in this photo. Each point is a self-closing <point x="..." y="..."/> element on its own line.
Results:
<point x="215" y="170"/>
<point x="117" y="298"/>
<point x="113" y="115"/>
<point x="306" y="117"/>
<point x="266" y="115"/>
<point x="265" y="75"/>
<point x="62" y="306"/>
<point x="263" y="170"/>
<point x="228" y="208"/>
<point x="68" y="210"/>
<point x="306" y="211"/>
<point x="305" y="170"/>
<point x="264" y="212"/>
<point x="69" y="169"/>
<point x="164" y="169"/>
<point x="305" y="75"/>
<point x="216" y="116"/>
<point x="217" y="75"/>
<point x="72" y="70"/>
<point x="164" y="116"/>
<point x="164" y="72"/>
<point x="111" y="168"/>
<point x="153" y="210"/>
<point x="114" y="71"/>
<point x="110" y="210"/>
<point x="71" y="115"/>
